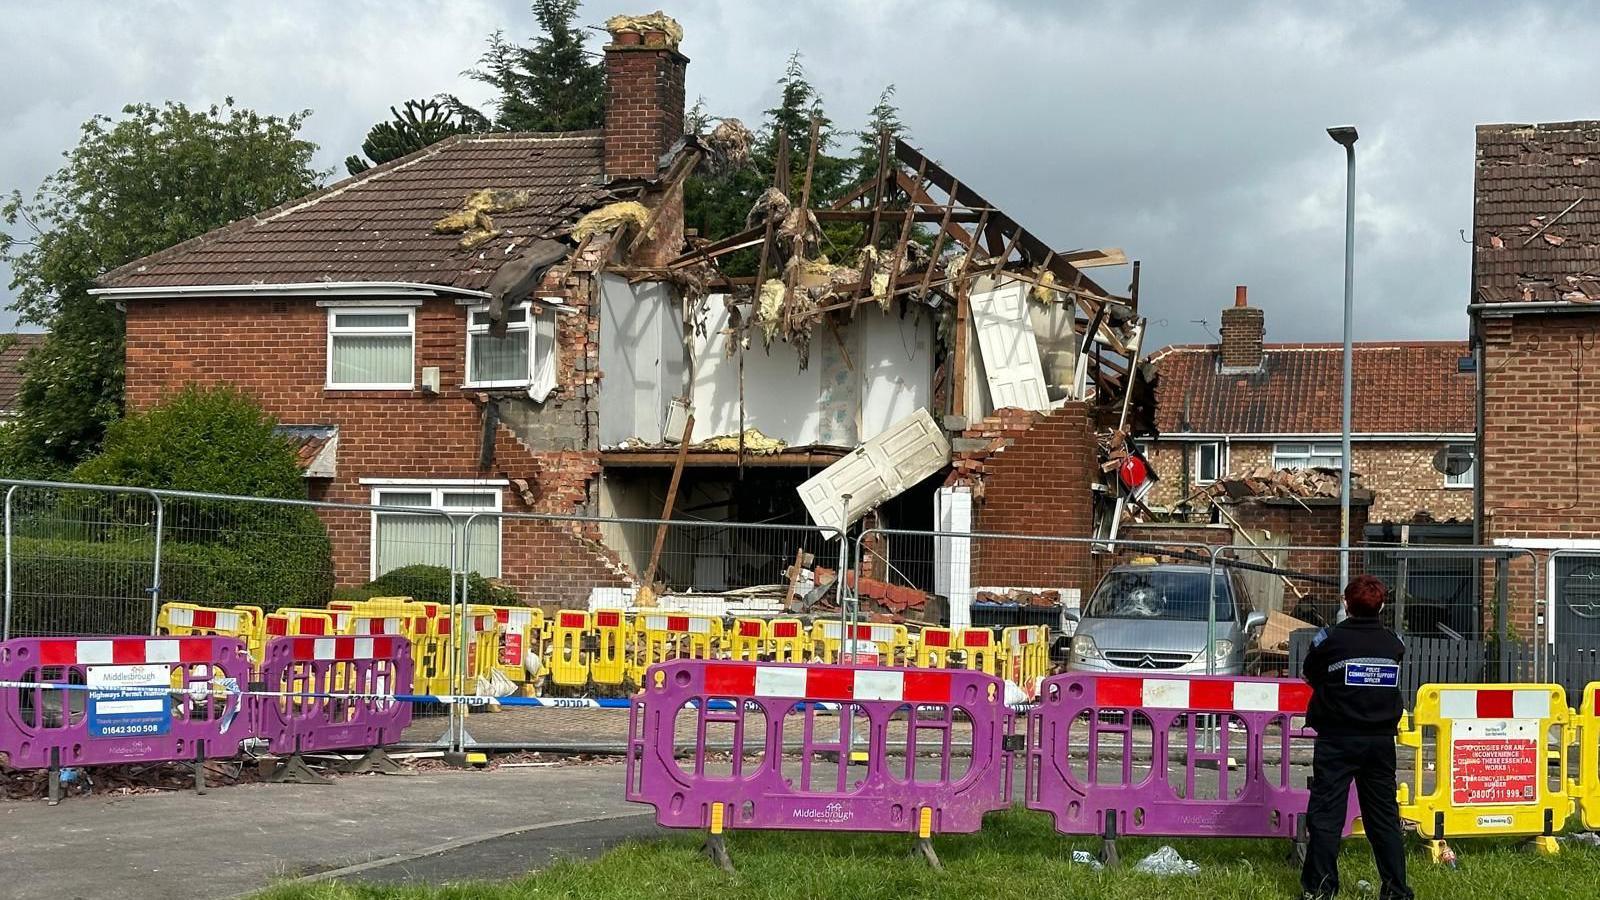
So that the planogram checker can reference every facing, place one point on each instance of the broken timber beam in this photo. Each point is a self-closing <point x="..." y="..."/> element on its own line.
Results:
<point x="648" y="581"/>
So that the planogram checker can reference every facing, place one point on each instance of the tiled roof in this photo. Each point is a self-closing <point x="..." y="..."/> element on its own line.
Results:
<point x="315" y="447"/>
<point x="13" y="347"/>
<point x="1524" y="247"/>
<point x="1405" y="387"/>
<point x="378" y="226"/>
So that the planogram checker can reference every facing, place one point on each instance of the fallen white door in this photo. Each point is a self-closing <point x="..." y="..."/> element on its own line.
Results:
<point x="1009" y="349"/>
<point x="878" y="470"/>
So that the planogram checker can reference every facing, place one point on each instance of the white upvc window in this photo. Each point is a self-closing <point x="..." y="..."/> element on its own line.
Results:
<point x="1461" y="455"/>
<point x="371" y="348"/>
<point x="1210" y="463"/>
<point x="524" y="357"/>
<point x="402" y="539"/>
<point x="1307" y="456"/>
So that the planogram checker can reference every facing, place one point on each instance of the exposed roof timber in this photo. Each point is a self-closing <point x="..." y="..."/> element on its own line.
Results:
<point x="1032" y="247"/>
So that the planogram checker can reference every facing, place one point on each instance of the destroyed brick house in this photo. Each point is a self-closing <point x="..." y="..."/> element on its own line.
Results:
<point x="1535" y="296"/>
<point x="518" y="322"/>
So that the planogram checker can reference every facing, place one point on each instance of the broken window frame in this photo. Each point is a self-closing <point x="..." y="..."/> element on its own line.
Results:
<point x="1219" y="463"/>
<point x="543" y="349"/>
<point x="1469" y="478"/>
<point x="391" y="492"/>
<point x="1315" y="455"/>
<point x="337" y="331"/>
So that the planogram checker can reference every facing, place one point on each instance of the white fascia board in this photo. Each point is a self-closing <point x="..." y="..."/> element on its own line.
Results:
<point x="1549" y="543"/>
<point x="437" y="482"/>
<point x="293" y="289"/>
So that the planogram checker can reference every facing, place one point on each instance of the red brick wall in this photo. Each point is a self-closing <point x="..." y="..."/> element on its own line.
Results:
<point x="644" y="107"/>
<point x="275" y="350"/>
<point x="1541" y="434"/>
<point x="1035" y="483"/>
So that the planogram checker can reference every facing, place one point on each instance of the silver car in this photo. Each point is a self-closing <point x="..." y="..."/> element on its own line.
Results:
<point x="1150" y="617"/>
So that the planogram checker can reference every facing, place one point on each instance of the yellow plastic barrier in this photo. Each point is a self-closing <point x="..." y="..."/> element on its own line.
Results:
<point x="609" y="648"/>
<point x="982" y="654"/>
<point x="189" y="619"/>
<point x="787" y="637"/>
<point x="893" y="641"/>
<point x="289" y="621"/>
<point x="483" y="647"/>
<point x="521" y="634"/>
<point x="660" y="636"/>
<point x="749" y="640"/>
<point x="1586" y="789"/>
<point x="1025" y="656"/>
<point x="1489" y="749"/>
<point x="255" y="631"/>
<point x="932" y="648"/>
<point x="398" y="621"/>
<point x="568" y="661"/>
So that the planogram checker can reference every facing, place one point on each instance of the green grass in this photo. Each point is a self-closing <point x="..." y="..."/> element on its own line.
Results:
<point x="1016" y="855"/>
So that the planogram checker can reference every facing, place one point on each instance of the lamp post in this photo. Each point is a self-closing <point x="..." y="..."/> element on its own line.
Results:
<point x="1346" y="137"/>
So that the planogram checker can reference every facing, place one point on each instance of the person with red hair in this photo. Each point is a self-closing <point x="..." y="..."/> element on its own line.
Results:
<point x="1354" y="672"/>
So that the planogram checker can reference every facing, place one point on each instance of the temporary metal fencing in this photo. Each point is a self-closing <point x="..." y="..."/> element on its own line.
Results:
<point x="1572" y="609"/>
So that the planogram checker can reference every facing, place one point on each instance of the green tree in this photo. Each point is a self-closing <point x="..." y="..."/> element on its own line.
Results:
<point x="885" y="116"/>
<point x="552" y="84"/>
<point x="155" y="177"/>
<point x="423" y="122"/>
<point x="216" y="440"/>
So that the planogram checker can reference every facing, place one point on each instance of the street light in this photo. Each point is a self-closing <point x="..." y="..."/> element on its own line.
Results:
<point x="1346" y="137"/>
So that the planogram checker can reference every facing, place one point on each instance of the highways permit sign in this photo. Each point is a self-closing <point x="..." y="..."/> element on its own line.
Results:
<point x="122" y="702"/>
<point x="1494" y="761"/>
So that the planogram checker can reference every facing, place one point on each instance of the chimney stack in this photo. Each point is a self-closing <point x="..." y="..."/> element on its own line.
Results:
<point x="644" y="93"/>
<point x="1244" y="329"/>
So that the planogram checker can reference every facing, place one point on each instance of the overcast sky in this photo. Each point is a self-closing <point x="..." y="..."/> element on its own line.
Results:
<point x="1191" y="138"/>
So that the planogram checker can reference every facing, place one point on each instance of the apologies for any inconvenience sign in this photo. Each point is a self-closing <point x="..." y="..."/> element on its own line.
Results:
<point x="1494" y="761"/>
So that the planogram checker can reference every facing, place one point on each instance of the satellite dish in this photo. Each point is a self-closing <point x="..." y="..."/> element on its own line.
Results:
<point x="1452" y="463"/>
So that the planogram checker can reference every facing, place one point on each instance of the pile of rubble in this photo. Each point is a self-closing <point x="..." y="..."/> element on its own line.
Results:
<point x="1265" y="481"/>
<point x="1046" y="599"/>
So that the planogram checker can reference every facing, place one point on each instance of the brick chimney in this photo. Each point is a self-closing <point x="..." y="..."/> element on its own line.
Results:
<point x="1244" y="328"/>
<point x="644" y="93"/>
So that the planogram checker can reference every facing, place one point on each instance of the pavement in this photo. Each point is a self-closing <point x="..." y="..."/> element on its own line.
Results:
<point x="434" y="826"/>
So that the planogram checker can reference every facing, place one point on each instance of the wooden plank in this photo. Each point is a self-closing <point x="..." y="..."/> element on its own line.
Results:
<point x="648" y="582"/>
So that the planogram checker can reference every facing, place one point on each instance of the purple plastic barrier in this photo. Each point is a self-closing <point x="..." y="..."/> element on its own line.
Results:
<point x="819" y="788"/>
<point x="129" y="718"/>
<point x="378" y="667"/>
<point x="1224" y="746"/>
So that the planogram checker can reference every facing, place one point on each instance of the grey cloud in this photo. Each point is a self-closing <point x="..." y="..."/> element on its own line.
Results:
<point x="1193" y="140"/>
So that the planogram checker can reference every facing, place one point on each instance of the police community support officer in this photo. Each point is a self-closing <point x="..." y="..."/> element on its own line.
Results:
<point x="1354" y="672"/>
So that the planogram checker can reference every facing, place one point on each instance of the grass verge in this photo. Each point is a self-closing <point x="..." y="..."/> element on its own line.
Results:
<point x="1017" y="854"/>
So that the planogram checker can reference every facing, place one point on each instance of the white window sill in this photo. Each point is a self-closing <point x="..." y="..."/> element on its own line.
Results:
<point x="497" y="385"/>
<point x="369" y="387"/>
<point x="1459" y="487"/>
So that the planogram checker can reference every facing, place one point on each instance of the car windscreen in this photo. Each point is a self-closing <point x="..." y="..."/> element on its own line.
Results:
<point x="1158" y="594"/>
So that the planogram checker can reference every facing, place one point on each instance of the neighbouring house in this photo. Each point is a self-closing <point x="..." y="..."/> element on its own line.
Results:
<point x="1246" y="406"/>
<point x="519" y="323"/>
<point x="1535" y="295"/>
<point x="13" y="347"/>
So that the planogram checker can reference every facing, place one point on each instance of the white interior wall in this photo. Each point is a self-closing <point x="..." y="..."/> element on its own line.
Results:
<point x="641" y="358"/>
<point x="779" y="399"/>
<point x="895" y="364"/>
